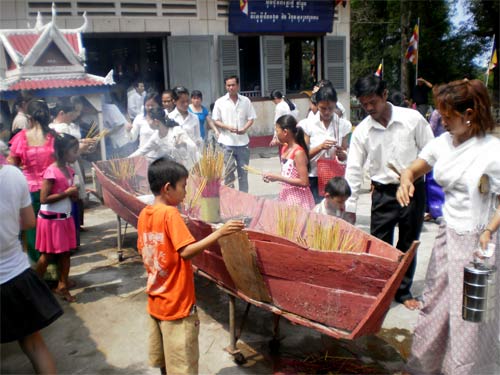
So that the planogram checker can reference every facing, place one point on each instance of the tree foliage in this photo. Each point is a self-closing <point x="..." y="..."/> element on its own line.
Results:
<point x="377" y="31"/>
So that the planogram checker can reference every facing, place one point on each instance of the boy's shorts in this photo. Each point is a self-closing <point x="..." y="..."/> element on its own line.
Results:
<point x="174" y="344"/>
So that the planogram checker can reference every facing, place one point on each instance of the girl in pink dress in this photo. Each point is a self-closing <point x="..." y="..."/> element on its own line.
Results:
<point x="56" y="234"/>
<point x="294" y="157"/>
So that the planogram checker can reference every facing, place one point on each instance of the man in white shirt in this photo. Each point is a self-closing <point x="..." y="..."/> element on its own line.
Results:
<point x="234" y="114"/>
<point x="390" y="138"/>
<point x="135" y="100"/>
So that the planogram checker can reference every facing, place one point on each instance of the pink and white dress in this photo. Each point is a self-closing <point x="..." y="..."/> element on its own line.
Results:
<point x="290" y="194"/>
<point x="55" y="228"/>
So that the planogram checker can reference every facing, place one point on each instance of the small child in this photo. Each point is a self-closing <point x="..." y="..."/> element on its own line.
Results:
<point x="167" y="246"/>
<point x="337" y="191"/>
<point x="56" y="234"/>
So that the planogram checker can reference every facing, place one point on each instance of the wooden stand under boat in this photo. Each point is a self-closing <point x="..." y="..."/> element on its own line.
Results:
<point x="341" y="294"/>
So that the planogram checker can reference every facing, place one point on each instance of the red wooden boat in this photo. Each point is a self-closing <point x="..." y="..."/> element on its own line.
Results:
<point x="342" y="294"/>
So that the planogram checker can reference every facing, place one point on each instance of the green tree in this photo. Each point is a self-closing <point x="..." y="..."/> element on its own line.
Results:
<point x="377" y="31"/>
<point x="483" y="29"/>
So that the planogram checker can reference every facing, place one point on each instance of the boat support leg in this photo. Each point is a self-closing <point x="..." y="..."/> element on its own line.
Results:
<point x="120" y="236"/>
<point x="274" y="344"/>
<point x="233" y="335"/>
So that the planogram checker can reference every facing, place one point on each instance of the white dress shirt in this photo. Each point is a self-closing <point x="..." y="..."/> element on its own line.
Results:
<point x="399" y="143"/>
<point x="233" y="114"/>
<point x="135" y="101"/>
<point x="141" y="128"/>
<point x="314" y="128"/>
<point x="282" y="108"/>
<point x="190" y="124"/>
<point x="176" y="144"/>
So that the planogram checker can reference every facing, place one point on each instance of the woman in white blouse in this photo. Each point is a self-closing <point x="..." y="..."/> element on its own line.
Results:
<point x="168" y="139"/>
<point x="466" y="163"/>
<point x="326" y="135"/>
<point x="140" y="126"/>
<point x="181" y="115"/>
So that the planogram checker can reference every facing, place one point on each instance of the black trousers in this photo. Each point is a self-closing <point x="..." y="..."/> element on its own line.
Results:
<point x="387" y="213"/>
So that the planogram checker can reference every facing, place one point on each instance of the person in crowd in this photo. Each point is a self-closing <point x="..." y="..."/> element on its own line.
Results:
<point x="463" y="159"/>
<point x="389" y="138"/>
<point x="187" y="120"/>
<point x="135" y="100"/>
<point x="420" y="95"/>
<point x="434" y="193"/>
<point x="140" y="126"/>
<point x="27" y="303"/>
<point x="294" y="158"/>
<point x="398" y="99"/>
<point x="4" y="152"/>
<point x="326" y="135"/>
<point x="56" y="234"/>
<point x="203" y="115"/>
<point x="65" y="112"/>
<point x="119" y="143"/>
<point x="166" y="246"/>
<point x="167" y="101"/>
<point x="313" y="108"/>
<point x="169" y="140"/>
<point x="32" y="149"/>
<point x="339" y="108"/>
<point x="234" y="114"/>
<point x="284" y="106"/>
<point x="337" y="191"/>
<point x="21" y="122"/>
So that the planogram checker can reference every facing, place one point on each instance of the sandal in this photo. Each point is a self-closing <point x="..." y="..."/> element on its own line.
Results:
<point x="64" y="293"/>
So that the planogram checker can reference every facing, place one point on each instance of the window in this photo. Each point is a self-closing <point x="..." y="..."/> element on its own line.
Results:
<point x="249" y="63"/>
<point x="300" y="64"/>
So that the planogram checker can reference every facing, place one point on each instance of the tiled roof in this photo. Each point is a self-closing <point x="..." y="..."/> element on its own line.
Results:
<point x="41" y="84"/>
<point x="23" y="43"/>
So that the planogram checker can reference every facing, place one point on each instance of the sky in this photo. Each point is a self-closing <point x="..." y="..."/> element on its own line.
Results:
<point x="459" y="16"/>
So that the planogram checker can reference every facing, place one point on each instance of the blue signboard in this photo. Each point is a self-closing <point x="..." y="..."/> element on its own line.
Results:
<point x="280" y="16"/>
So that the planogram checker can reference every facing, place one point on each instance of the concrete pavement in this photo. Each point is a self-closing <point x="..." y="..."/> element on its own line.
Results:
<point x="106" y="330"/>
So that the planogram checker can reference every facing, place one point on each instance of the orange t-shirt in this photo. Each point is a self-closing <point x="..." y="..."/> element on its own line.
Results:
<point x="161" y="232"/>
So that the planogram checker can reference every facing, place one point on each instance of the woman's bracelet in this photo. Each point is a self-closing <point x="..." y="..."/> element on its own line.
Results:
<point x="488" y="230"/>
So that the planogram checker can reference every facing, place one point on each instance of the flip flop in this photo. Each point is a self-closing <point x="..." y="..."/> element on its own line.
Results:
<point x="64" y="293"/>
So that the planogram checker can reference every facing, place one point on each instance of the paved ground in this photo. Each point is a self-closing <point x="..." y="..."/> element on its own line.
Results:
<point x="106" y="332"/>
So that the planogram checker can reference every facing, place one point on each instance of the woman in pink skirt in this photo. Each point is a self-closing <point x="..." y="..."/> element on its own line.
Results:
<point x="56" y="234"/>
<point x="294" y="157"/>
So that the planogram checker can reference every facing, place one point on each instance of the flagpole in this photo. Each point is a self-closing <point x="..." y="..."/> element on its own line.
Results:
<point x="418" y="50"/>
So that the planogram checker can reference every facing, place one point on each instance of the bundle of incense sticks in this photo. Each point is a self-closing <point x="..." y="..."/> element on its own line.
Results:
<point x="94" y="132"/>
<point x="252" y="170"/>
<point x="211" y="168"/>
<point x="325" y="237"/>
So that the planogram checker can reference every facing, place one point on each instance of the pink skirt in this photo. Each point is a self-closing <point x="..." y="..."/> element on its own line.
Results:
<point x="296" y="196"/>
<point x="55" y="236"/>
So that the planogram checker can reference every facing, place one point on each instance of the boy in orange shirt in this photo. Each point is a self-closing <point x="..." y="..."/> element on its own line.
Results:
<point x="167" y="246"/>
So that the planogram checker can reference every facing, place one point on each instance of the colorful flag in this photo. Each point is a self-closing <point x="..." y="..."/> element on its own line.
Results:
<point x="380" y="70"/>
<point x="412" y="51"/>
<point x="244" y="6"/>
<point x="494" y="58"/>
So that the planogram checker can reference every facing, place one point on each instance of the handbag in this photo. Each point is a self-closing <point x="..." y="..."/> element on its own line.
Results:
<point x="327" y="169"/>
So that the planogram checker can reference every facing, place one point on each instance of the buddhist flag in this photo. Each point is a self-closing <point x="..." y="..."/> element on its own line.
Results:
<point x="380" y="70"/>
<point x="494" y="58"/>
<point x="412" y="51"/>
<point x="244" y="6"/>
